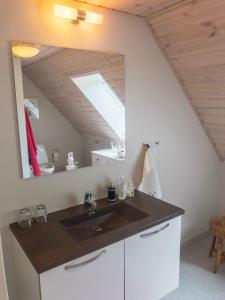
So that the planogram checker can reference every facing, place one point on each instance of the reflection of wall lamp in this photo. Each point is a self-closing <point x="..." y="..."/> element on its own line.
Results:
<point x="24" y="50"/>
<point x="77" y="15"/>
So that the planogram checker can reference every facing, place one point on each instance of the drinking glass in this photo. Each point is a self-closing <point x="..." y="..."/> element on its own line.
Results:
<point x="41" y="215"/>
<point x="25" y="219"/>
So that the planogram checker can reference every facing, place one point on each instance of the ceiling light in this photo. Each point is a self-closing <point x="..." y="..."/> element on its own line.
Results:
<point x="74" y="14"/>
<point x="24" y="50"/>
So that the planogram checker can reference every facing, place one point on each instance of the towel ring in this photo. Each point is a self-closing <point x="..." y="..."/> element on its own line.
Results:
<point x="147" y="146"/>
<point x="157" y="142"/>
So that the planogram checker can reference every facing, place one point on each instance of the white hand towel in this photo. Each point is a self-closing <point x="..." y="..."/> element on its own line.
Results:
<point x="3" y="286"/>
<point x="150" y="183"/>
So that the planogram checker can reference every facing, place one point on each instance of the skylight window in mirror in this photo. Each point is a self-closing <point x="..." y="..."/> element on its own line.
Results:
<point x="104" y="100"/>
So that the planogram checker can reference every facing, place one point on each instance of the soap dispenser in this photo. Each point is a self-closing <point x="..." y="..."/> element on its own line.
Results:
<point x="111" y="193"/>
<point x="130" y="188"/>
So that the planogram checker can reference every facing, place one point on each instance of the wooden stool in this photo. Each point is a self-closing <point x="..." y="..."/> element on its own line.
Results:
<point x="217" y="227"/>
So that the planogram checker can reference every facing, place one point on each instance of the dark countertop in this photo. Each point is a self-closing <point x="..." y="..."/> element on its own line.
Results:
<point x="49" y="245"/>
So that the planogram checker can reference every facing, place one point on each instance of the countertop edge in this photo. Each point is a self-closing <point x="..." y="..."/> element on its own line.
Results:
<point x="68" y="259"/>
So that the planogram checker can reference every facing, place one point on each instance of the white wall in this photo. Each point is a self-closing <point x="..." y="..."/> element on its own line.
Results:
<point x="53" y="129"/>
<point x="155" y="106"/>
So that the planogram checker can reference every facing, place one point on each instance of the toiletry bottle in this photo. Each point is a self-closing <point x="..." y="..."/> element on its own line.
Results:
<point x="111" y="193"/>
<point x="70" y="159"/>
<point x="130" y="188"/>
<point x="122" y="188"/>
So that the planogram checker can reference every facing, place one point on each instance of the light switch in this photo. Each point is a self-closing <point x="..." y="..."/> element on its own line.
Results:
<point x="55" y="155"/>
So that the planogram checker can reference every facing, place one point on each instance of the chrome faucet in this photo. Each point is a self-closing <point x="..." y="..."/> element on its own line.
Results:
<point x="89" y="201"/>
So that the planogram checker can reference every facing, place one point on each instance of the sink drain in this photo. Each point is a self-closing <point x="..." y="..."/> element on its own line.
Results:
<point x="98" y="229"/>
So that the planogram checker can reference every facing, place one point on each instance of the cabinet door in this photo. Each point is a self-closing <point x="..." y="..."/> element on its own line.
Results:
<point x="98" y="160"/>
<point x="152" y="260"/>
<point x="96" y="276"/>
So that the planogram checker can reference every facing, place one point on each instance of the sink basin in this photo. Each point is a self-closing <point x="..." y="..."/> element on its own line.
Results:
<point x="99" y="221"/>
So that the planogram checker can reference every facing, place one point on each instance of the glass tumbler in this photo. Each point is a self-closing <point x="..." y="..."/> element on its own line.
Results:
<point x="25" y="219"/>
<point x="41" y="215"/>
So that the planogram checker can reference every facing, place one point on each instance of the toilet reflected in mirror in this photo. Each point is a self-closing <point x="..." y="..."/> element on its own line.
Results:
<point x="71" y="109"/>
<point x="42" y="157"/>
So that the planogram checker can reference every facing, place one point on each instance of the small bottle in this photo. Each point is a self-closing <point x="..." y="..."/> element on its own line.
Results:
<point x="122" y="188"/>
<point x="130" y="188"/>
<point x="111" y="193"/>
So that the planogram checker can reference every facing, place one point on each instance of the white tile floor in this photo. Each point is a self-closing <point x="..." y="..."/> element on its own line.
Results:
<point x="197" y="281"/>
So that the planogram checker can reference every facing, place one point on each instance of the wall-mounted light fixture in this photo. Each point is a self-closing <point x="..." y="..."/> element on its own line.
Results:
<point x="24" y="50"/>
<point x="74" y="14"/>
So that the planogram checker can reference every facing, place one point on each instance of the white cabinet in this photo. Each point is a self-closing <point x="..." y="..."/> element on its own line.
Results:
<point x="152" y="260"/>
<point x="99" y="160"/>
<point x="104" y="157"/>
<point x="96" y="276"/>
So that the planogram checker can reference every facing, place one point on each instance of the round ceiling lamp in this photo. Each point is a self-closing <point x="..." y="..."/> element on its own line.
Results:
<point x="24" y="50"/>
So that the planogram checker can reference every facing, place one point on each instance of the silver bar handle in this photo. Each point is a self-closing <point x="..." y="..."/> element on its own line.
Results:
<point x="145" y="235"/>
<point x="84" y="263"/>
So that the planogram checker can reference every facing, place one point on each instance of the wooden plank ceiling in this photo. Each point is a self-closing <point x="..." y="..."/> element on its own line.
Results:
<point x="141" y="8"/>
<point x="52" y="74"/>
<point x="191" y="34"/>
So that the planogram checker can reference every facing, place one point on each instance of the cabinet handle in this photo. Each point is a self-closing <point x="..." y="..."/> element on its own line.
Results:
<point x="145" y="235"/>
<point x="84" y="263"/>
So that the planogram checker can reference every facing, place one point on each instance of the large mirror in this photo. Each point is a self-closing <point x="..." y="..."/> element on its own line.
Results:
<point x="71" y="108"/>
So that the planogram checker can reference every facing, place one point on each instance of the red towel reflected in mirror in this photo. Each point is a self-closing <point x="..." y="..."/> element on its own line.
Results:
<point x="32" y="148"/>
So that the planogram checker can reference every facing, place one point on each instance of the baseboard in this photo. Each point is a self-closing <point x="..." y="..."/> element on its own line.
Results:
<point x="195" y="239"/>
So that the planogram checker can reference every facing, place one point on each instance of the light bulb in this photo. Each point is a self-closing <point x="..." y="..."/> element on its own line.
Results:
<point x="65" y="12"/>
<point x="93" y="18"/>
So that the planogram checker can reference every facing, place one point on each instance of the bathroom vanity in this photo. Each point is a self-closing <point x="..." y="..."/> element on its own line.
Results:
<point x="126" y="250"/>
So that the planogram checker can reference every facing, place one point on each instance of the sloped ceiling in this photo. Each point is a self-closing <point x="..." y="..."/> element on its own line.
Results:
<point x="191" y="34"/>
<point x="52" y="72"/>
<point x="142" y="8"/>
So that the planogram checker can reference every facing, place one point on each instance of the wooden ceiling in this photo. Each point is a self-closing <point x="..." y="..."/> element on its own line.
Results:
<point x="141" y="8"/>
<point x="52" y="75"/>
<point x="191" y="34"/>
